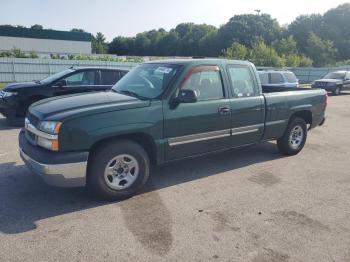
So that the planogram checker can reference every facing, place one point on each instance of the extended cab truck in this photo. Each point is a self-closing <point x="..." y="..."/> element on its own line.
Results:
<point x="160" y="112"/>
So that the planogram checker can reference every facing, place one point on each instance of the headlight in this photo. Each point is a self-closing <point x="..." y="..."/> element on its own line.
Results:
<point x="7" y="94"/>
<point x="50" y="127"/>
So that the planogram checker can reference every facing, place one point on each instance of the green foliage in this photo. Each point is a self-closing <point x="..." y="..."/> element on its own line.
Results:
<point x="98" y="44"/>
<point x="236" y="51"/>
<point x="264" y="55"/>
<point x="322" y="52"/>
<point x="33" y="54"/>
<point x="2" y="85"/>
<point x="286" y="46"/>
<point x="15" y="52"/>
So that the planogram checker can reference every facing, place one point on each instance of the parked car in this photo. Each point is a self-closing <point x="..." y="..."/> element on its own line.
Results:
<point x="274" y="78"/>
<point x="17" y="97"/>
<point x="161" y="112"/>
<point x="334" y="82"/>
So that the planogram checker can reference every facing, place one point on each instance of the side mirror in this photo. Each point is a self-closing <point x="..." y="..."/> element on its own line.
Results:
<point x="61" y="83"/>
<point x="186" y="96"/>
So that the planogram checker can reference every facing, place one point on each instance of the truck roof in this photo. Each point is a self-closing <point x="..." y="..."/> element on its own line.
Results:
<point x="195" y="61"/>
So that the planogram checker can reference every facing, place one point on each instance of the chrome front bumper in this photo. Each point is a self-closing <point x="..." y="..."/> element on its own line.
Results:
<point x="61" y="175"/>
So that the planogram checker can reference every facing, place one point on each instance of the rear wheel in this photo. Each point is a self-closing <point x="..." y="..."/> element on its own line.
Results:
<point x="118" y="170"/>
<point x="294" y="138"/>
<point x="337" y="91"/>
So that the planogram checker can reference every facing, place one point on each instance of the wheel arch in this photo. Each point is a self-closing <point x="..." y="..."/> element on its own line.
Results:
<point x="144" y="140"/>
<point x="304" y="114"/>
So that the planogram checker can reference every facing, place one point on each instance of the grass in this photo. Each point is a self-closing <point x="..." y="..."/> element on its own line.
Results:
<point x="2" y="85"/>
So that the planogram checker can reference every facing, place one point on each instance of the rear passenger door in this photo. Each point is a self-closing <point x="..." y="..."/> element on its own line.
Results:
<point x="78" y="82"/>
<point x="107" y="79"/>
<point x="247" y="106"/>
<point x="203" y="126"/>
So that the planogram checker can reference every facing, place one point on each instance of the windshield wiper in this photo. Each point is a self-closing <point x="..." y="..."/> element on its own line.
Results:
<point x="131" y="93"/>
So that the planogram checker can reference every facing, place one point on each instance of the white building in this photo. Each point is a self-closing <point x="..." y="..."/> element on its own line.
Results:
<point x="44" y="41"/>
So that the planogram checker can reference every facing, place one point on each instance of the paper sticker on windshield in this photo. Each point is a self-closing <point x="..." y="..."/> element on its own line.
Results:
<point x="163" y="70"/>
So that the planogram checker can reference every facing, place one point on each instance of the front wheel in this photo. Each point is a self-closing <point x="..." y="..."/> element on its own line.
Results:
<point x="294" y="137"/>
<point x="118" y="170"/>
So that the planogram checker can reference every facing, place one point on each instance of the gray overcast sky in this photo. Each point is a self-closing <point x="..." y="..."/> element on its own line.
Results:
<point x="128" y="17"/>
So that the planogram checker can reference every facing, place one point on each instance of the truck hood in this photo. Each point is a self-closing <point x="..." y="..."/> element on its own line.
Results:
<point x="59" y="108"/>
<point x="13" y="87"/>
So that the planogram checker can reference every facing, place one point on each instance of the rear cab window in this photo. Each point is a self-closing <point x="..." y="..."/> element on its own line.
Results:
<point x="242" y="81"/>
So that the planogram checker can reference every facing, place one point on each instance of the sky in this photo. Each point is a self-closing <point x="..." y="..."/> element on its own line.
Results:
<point x="129" y="17"/>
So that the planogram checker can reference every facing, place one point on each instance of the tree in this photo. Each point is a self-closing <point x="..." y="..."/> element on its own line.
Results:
<point x="286" y="46"/>
<point x="99" y="45"/>
<point x="322" y="52"/>
<point x="249" y="29"/>
<point x="336" y="29"/>
<point x="301" y="28"/>
<point x="236" y="51"/>
<point x="37" y="27"/>
<point x="264" y="55"/>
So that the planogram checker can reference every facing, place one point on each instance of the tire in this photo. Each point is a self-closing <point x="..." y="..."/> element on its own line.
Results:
<point x="337" y="91"/>
<point x="118" y="170"/>
<point x="294" y="137"/>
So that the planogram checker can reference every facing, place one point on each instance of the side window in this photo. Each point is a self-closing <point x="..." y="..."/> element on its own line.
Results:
<point x="290" y="77"/>
<point x="109" y="77"/>
<point x="206" y="82"/>
<point x="242" y="81"/>
<point x="81" y="78"/>
<point x="276" y="78"/>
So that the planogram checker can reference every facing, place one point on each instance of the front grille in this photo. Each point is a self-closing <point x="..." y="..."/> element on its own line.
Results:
<point x="30" y="137"/>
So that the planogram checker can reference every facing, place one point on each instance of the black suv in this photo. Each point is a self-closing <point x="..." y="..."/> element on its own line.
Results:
<point x="17" y="97"/>
<point x="334" y="82"/>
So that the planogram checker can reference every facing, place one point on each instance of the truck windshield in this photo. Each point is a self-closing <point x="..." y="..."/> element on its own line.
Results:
<point x="56" y="76"/>
<point x="335" y="76"/>
<point x="146" y="81"/>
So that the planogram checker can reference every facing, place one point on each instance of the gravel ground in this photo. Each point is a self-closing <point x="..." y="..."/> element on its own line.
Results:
<point x="248" y="204"/>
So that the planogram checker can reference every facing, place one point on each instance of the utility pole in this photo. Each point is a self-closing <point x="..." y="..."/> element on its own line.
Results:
<point x="257" y="11"/>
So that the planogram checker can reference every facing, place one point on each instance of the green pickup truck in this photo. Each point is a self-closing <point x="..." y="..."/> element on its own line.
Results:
<point x="160" y="112"/>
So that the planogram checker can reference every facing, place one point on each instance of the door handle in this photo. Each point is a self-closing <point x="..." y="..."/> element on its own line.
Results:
<point x="224" y="110"/>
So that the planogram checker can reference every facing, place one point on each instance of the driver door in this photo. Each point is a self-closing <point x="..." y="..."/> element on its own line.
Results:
<point x="203" y="126"/>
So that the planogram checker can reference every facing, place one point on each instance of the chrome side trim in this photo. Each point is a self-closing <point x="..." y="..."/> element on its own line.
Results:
<point x="37" y="132"/>
<point x="278" y="122"/>
<point x="245" y="130"/>
<point x="198" y="137"/>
